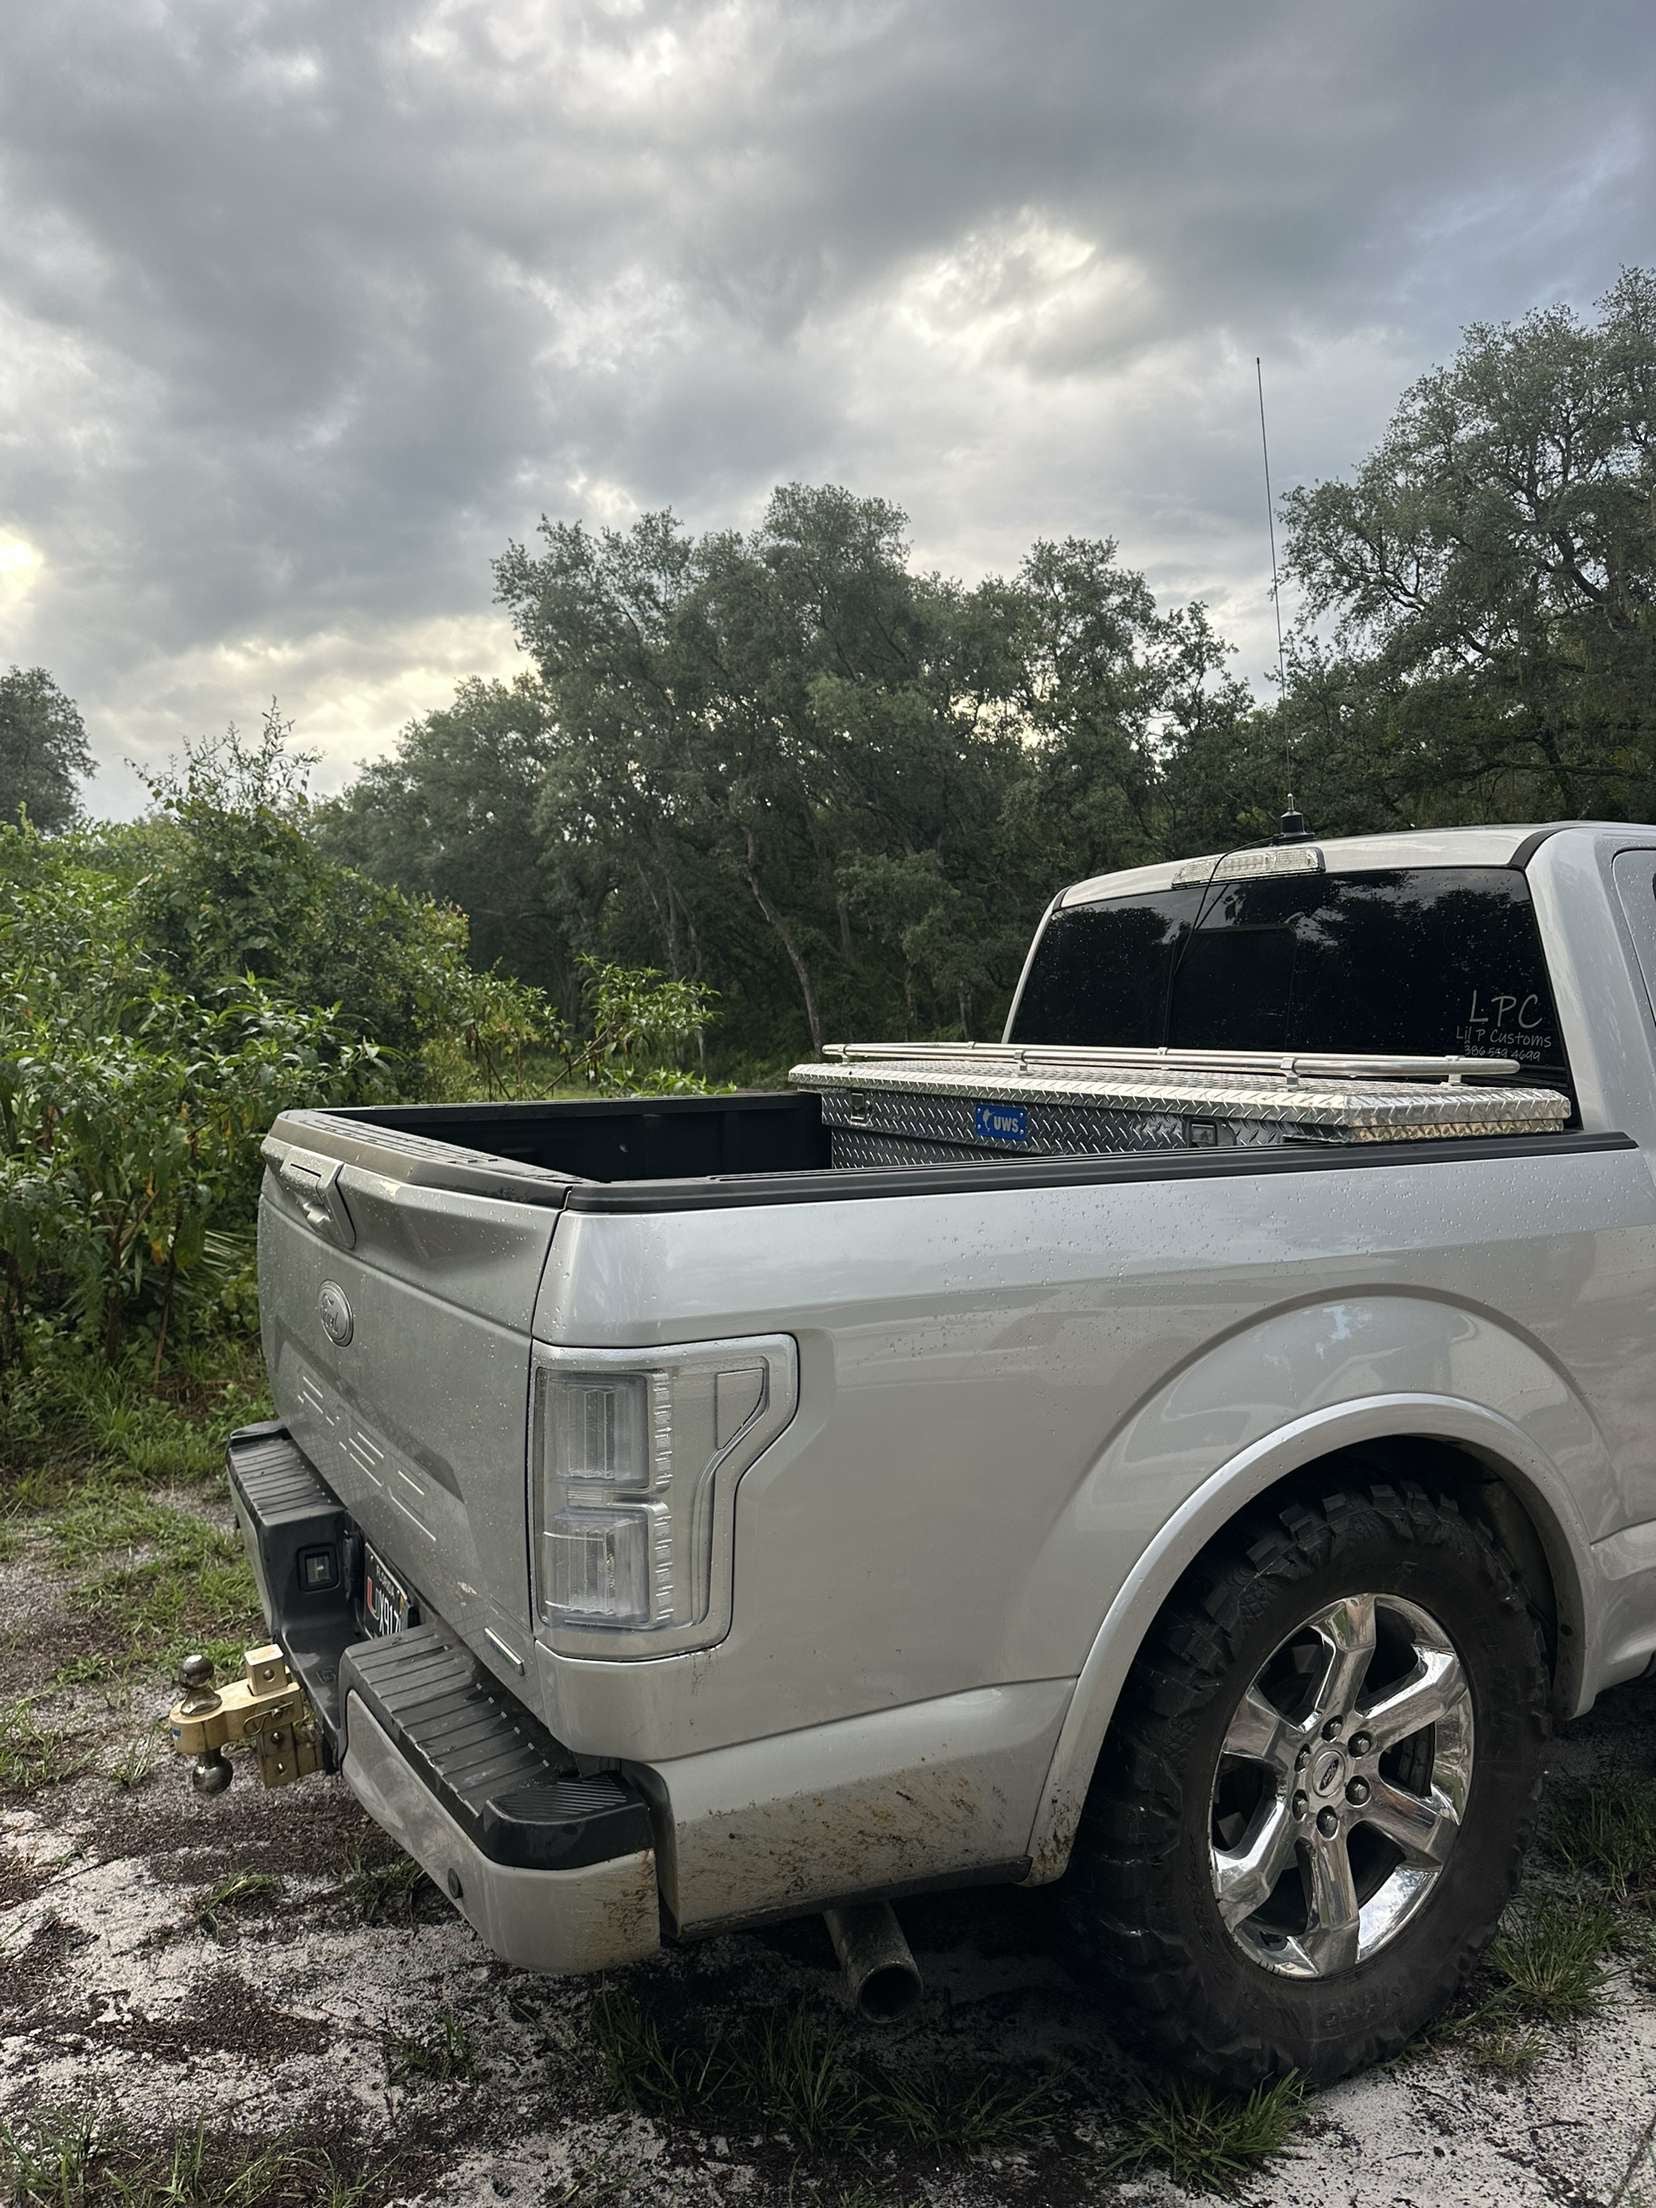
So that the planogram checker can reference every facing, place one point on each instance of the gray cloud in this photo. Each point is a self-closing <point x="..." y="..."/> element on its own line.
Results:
<point x="305" y="309"/>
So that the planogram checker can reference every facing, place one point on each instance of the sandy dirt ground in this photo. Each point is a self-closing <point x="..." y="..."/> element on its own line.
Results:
<point x="288" y="2011"/>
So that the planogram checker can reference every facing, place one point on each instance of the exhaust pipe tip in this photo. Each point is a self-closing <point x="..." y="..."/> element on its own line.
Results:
<point x="882" y="1978"/>
<point x="889" y="1994"/>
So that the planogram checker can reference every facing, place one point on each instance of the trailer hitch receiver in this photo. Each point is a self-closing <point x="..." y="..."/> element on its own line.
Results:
<point x="264" y="1710"/>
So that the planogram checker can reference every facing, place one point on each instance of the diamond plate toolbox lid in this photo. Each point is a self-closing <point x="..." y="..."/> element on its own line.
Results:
<point x="1002" y="1095"/>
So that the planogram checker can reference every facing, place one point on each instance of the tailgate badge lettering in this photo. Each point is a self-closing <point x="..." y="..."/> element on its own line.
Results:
<point x="338" y="1323"/>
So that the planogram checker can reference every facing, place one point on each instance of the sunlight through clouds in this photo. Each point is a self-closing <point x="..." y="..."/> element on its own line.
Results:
<point x="20" y="569"/>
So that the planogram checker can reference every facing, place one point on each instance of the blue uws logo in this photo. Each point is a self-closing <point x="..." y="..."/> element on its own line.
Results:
<point x="1001" y="1122"/>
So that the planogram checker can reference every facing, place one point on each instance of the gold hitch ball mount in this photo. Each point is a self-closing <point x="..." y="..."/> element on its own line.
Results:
<point x="264" y="1710"/>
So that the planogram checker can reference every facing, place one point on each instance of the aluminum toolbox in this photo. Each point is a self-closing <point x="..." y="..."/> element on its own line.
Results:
<point x="918" y="1103"/>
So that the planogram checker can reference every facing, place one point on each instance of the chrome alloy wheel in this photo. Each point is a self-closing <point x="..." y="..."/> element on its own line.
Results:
<point x="1342" y="1781"/>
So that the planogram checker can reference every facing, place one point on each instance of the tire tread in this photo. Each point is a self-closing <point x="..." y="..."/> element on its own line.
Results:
<point x="1133" y="1817"/>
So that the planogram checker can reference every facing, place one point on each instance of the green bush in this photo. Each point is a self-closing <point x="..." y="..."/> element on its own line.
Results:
<point x="129" y="1109"/>
<point x="168" y="987"/>
<point x="231" y="880"/>
<point x="510" y="1040"/>
<point x="228" y="883"/>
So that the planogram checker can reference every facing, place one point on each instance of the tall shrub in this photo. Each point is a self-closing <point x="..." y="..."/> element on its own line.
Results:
<point x="129" y="1108"/>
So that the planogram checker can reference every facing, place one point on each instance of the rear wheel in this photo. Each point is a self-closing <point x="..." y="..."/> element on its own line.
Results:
<point x="1314" y="1799"/>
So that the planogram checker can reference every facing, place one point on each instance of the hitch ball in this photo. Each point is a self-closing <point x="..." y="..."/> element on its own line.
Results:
<point x="211" y="1772"/>
<point x="195" y="1676"/>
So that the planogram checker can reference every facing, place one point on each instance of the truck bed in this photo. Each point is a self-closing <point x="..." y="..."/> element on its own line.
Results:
<point x="760" y="1146"/>
<point x="537" y="1151"/>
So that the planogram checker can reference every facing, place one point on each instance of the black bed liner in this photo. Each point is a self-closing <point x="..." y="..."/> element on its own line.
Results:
<point x="537" y="1152"/>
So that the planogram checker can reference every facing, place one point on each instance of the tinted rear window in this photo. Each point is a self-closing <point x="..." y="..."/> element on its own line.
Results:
<point x="1427" y="960"/>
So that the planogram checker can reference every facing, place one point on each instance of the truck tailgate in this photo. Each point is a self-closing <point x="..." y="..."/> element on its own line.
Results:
<point x="396" y="1318"/>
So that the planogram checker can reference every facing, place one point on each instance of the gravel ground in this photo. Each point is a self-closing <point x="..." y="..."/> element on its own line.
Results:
<point x="303" y="2007"/>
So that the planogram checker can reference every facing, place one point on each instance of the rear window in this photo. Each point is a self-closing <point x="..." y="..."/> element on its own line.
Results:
<point x="1421" y="961"/>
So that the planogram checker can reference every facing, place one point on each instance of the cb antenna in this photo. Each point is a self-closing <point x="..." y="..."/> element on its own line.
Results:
<point x="1293" y="828"/>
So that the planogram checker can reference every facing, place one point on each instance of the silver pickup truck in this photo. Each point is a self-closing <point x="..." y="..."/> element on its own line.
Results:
<point x="679" y="1516"/>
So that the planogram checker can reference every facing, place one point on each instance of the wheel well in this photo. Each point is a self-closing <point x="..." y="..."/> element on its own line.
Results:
<point x="1484" y="1489"/>
<point x="1481" y="1484"/>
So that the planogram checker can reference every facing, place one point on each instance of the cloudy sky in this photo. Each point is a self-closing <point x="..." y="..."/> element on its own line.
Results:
<point x="306" y="308"/>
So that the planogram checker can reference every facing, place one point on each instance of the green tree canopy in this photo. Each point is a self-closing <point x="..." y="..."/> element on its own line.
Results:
<point x="785" y="763"/>
<point x="1490" y="574"/>
<point x="450" y="815"/>
<point x="43" y="751"/>
<point x="840" y="789"/>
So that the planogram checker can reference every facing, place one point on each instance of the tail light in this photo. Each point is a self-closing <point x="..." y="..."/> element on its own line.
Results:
<point x="635" y="1456"/>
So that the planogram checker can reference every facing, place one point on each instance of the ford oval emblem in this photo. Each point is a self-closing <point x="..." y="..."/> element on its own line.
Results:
<point x="334" y="1305"/>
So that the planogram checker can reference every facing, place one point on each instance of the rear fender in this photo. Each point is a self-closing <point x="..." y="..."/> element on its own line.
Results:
<point x="1524" y="1422"/>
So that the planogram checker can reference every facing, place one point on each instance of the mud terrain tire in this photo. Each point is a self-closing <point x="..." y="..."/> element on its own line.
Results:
<point x="1141" y="1906"/>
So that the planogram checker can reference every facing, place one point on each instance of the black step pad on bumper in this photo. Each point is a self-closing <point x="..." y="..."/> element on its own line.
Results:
<point x="277" y="1478"/>
<point x="513" y="1789"/>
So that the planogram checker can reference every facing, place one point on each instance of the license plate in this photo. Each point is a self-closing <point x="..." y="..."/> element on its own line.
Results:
<point x="387" y="1605"/>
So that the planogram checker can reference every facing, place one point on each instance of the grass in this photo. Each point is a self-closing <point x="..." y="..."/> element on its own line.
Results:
<point x="135" y="1761"/>
<point x="73" y="1413"/>
<point x="443" y="2055"/>
<point x="1204" y="2140"/>
<point x="106" y="1518"/>
<point x="1550" y="1966"/>
<point x="183" y="1584"/>
<point x="1606" y="1834"/>
<point x="595" y="2186"/>
<point x="32" y="1755"/>
<point x="390" y="1891"/>
<point x="936" y="2106"/>
<point x="65" y="2158"/>
<point x="1636" y="1947"/>
<point x="1547" y="1970"/>
<point x="230" y="1896"/>
<point x="861" y="2195"/>
<point x="1549" y="1962"/>
<point x="82" y="1442"/>
<point x="644" y="2071"/>
<point x="800" y="2072"/>
<point x="155" y="1612"/>
<point x="795" y="2066"/>
<point x="1505" y="2050"/>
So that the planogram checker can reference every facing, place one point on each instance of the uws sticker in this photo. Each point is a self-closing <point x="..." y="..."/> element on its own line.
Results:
<point x="1001" y="1122"/>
